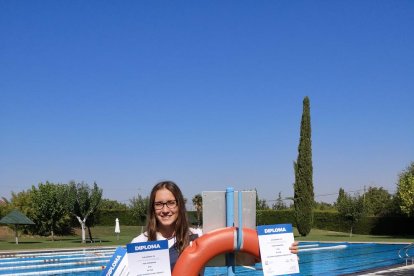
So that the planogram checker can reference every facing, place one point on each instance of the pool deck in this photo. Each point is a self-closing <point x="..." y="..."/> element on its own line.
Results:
<point x="394" y="271"/>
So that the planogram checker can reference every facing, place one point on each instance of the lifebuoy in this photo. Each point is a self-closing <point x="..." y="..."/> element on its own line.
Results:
<point x="211" y="244"/>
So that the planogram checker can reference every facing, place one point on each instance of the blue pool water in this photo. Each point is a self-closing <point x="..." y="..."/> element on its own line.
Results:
<point x="314" y="259"/>
<point x="62" y="262"/>
<point x="335" y="259"/>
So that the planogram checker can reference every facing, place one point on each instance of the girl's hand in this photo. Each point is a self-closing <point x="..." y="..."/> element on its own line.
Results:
<point x="294" y="248"/>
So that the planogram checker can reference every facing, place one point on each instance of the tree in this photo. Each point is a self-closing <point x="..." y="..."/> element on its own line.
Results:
<point x="324" y="206"/>
<point x="23" y="202"/>
<point x="139" y="207"/>
<point x="4" y="202"/>
<point x="351" y="209"/>
<point x="405" y="190"/>
<point x="198" y="205"/>
<point x="303" y="168"/>
<point x="261" y="203"/>
<point x="82" y="202"/>
<point x="341" y="196"/>
<point x="109" y="204"/>
<point x="377" y="201"/>
<point x="48" y="204"/>
<point x="279" y="204"/>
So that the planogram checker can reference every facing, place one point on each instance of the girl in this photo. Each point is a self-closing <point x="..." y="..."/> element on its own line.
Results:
<point x="167" y="220"/>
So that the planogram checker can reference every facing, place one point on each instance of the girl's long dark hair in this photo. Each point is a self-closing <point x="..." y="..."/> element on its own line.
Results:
<point x="182" y="232"/>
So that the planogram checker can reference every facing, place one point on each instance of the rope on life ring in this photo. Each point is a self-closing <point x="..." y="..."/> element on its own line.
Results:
<point x="211" y="244"/>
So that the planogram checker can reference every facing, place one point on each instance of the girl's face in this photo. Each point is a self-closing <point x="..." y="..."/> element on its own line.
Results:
<point x="166" y="209"/>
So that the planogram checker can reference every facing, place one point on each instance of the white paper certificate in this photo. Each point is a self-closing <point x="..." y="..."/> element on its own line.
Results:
<point x="118" y="264"/>
<point x="149" y="258"/>
<point x="274" y="243"/>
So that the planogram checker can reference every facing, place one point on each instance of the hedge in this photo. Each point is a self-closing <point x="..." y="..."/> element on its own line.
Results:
<point x="326" y="220"/>
<point x="107" y="218"/>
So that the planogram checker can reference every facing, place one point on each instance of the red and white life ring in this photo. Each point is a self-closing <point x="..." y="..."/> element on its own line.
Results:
<point x="211" y="244"/>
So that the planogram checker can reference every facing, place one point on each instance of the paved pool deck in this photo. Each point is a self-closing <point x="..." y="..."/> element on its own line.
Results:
<point x="394" y="271"/>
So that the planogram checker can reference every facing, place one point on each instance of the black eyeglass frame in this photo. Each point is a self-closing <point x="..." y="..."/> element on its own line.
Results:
<point x="171" y="204"/>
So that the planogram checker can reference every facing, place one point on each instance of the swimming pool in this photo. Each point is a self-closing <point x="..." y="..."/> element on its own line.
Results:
<point x="315" y="259"/>
<point x="335" y="259"/>
<point x="60" y="262"/>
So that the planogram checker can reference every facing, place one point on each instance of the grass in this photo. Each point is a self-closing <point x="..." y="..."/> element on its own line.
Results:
<point x="104" y="235"/>
<point x="331" y="236"/>
<point x="107" y="237"/>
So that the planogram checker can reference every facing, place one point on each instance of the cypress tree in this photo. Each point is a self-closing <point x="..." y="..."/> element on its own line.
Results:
<point x="303" y="186"/>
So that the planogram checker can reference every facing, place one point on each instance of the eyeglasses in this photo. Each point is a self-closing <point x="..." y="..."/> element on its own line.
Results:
<point x="170" y="204"/>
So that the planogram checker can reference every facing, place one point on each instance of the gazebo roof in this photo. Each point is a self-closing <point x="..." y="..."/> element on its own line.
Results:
<point x="16" y="217"/>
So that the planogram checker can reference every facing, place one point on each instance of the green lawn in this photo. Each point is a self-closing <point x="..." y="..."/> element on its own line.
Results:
<point x="105" y="234"/>
<point x="325" y="236"/>
<point x="107" y="237"/>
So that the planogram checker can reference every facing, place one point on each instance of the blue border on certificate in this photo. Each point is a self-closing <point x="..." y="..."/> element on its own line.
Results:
<point x="114" y="262"/>
<point x="274" y="229"/>
<point x="147" y="246"/>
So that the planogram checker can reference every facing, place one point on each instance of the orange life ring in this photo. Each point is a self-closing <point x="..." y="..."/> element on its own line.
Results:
<point x="211" y="244"/>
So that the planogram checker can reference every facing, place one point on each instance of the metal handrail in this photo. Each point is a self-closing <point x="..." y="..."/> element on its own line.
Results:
<point x="406" y="257"/>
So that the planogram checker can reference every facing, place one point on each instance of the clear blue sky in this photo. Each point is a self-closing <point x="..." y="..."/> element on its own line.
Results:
<point x="205" y="93"/>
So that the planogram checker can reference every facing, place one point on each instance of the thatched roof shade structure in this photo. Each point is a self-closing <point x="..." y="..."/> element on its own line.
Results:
<point x="16" y="218"/>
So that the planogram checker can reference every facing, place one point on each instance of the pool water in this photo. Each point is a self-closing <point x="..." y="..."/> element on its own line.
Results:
<point x="344" y="258"/>
<point x="334" y="259"/>
<point x="81" y="262"/>
<point x="314" y="259"/>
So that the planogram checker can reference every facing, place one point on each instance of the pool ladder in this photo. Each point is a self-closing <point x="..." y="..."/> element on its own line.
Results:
<point x="406" y="256"/>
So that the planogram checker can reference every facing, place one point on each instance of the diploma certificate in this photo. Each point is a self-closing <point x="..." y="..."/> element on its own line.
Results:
<point x="274" y="243"/>
<point x="149" y="258"/>
<point x="118" y="264"/>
